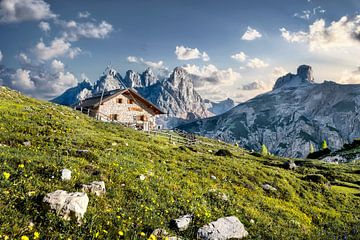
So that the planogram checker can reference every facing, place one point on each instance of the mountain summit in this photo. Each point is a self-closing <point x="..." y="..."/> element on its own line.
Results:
<point x="303" y="77"/>
<point x="297" y="114"/>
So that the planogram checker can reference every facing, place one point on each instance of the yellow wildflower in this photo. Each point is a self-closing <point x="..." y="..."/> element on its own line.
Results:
<point x="142" y="234"/>
<point x="121" y="233"/>
<point x="24" y="238"/>
<point x="21" y="166"/>
<point x="36" y="235"/>
<point x="6" y="237"/>
<point x="6" y="175"/>
<point x="152" y="237"/>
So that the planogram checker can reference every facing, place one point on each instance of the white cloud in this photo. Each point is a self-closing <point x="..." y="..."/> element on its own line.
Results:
<point x="57" y="48"/>
<point x="278" y="72"/>
<point x="44" y="26"/>
<point x="241" y="56"/>
<point x="12" y="11"/>
<point x="293" y="37"/>
<point x="310" y="13"/>
<point x="84" y="77"/>
<point x="57" y="65"/>
<point x="350" y="77"/>
<point x="256" y="85"/>
<point x="211" y="75"/>
<point x="186" y="53"/>
<point x="256" y="63"/>
<point x="343" y="34"/>
<point x="1" y="56"/>
<point x="155" y="65"/>
<point x="74" y="31"/>
<point x="21" y="80"/>
<point x="251" y="34"/>
<point x="84" y="14"/>
<point x="132" y="59"/>
<point x="23" y="58"/>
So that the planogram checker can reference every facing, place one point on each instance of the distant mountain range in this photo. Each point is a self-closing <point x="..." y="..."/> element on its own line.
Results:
<point x="175" y="94"/>
<point x="291" y="117"/>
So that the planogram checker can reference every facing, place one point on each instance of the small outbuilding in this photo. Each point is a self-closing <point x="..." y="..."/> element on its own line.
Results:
<point x="125" y="106"/>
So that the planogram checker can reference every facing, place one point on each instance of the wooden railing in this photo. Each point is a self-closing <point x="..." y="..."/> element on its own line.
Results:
<point x="174" y="136"/>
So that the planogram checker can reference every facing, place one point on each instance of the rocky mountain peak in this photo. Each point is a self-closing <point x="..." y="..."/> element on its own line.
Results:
<point x="132" y="79"/>
<point x="305" y="72"/>
<point x="180" y="77"/>
<point x="148" y="77"/>
<point x="303" y="77"/>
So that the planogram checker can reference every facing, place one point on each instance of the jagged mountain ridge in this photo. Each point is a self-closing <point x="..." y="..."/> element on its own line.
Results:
<point x="295" y="114"/>
<point x="175" y="95"/>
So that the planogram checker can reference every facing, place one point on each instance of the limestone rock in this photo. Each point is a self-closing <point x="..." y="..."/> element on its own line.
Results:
<point x="268" y="187"/>
<point x="182" y="223"/>
<point x="65" y="174"/>
<point x="222" y="229"/>
<point x="68" y="205"/>
<point x="95" y="187"/>
<point x="290" y="165"/>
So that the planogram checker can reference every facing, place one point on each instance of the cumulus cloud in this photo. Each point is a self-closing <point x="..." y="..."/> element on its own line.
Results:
<point x="251" y="34"/>
<point x="338" y="35"/>
<point x="293" y="37"/>
<point x="278" y="72"/>
<point x="57" y="65"/>
<point x="37" y="81"/>
<point x="186" y="53"/>
<point x="132" y="59"/>
<point x="256" y="85"/>
<point x="44" y="26"/>
<point x="21" y="80"/>
<point x="12" y="11"/>
<point x="211" y="75"/>
<point x="256" y="63"/>
<point x="84" y="14"/>
<point x="350" y="77"/>
<point x="57" y="48"/>
<point x="73" y="31"/>
<point x="1" y="56"/>
<point x="241" y="56"/>
<point x="155" y="65"/>
<point x="23" y="58"/>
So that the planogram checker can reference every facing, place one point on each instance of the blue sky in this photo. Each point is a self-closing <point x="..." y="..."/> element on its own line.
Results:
<point x="48" y="46"/>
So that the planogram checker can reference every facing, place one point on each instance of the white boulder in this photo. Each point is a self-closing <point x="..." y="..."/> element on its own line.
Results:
<point x="68" y="205"/>
<point x="222" y="229"/>
<point x="182" y="223"/>
<point x="65" y="174"/>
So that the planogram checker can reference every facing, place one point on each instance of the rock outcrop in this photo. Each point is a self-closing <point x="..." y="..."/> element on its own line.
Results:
<point x="223" y="229"/>
<point x="68" y="205"/>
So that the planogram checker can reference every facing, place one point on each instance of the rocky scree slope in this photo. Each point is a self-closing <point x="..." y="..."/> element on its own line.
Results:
<point x="150" y="181"/>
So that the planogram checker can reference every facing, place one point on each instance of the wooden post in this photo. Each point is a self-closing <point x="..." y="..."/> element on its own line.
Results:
<point x="88" y="112"/>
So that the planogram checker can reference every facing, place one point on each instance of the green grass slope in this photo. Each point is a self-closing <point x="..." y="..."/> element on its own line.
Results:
<point x="178" y="181"/>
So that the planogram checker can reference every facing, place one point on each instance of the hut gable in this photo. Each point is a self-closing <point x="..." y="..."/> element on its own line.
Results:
<point x="125" y="106"/>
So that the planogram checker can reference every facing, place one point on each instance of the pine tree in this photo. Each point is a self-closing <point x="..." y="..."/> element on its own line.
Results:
<point x="312" y="149"/>
<point x="324" y="145"/>
<point x="264" y="150"/>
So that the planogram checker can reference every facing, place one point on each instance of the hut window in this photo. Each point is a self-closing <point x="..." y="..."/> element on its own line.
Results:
<point x="119" y="100"/>
<point x="114" y="117"/>
<point x="143" y="118"/>
<point x="130" y="101"/>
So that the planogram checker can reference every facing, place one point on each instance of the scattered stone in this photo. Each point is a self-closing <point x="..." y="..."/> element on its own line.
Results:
<point x="213" y="177"/>
<point x="27" y="144"/>
<point x="174" y="238"/>
<point x="224" y="197"/>
<point x="96" y="187"/>
<point x="252" y="221"/>
<point x="222" y="229"/>
<point x="122" y="185"/>
<point x="3" y="145"/>
<point x="182" y="223"/>
<point x="68" y="205"/>
<point x="268" y="187"/>
<point x="65" y="174"/>
<point x="210" y="151"/>
<point x="114" y="144"/>
<point x="290" y="165"/>
<point x="126" y="144"/>
<point x="160" y="233"/>
<point x="142" y="177"/>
